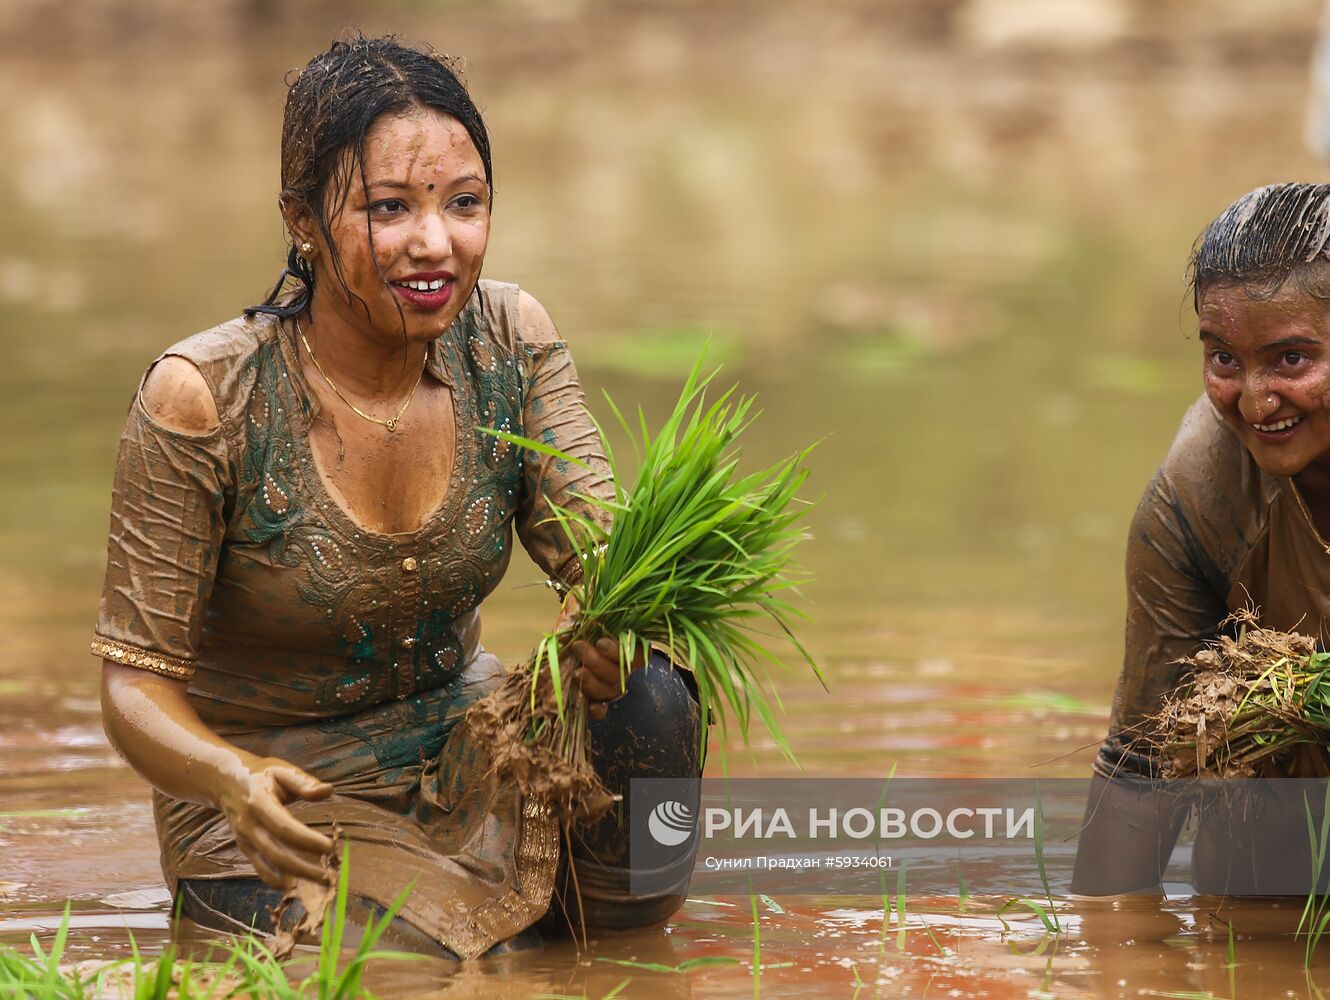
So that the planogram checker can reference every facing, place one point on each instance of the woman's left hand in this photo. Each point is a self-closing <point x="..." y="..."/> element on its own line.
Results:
<point x="596" y="666"/>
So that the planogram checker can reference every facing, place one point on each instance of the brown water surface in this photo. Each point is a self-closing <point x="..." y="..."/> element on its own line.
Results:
<point x="946" y="237"/>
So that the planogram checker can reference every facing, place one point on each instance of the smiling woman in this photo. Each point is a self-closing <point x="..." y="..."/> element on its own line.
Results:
<point x="1267" y="372"/>
<point x="1235" y="518"/>
<point x="306" y="517"/>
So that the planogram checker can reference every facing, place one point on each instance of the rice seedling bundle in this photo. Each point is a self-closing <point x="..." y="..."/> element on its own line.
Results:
<point x="697" y="562"/>
<point x="1254" y="705"/>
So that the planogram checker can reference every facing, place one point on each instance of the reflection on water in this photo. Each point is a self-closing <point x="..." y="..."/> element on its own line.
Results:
<point x="944" y="237"/>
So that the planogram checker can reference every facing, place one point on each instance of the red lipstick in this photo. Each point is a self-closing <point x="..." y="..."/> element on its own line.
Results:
<point x="436" y="288"/>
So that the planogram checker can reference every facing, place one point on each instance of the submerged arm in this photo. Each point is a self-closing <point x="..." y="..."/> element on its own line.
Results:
<point x="167" y="528"/>
<point x="1129" y="833"/>
<point x="1132" y="819"/>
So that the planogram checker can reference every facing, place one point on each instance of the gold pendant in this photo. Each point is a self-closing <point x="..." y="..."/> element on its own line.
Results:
<point x="391" y="424"/>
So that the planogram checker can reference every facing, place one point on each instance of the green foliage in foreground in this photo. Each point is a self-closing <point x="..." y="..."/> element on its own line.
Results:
<point x="1046" y="910"/>
<point x="698" y="557"/>
<point x="1316" y="913"/>
<point x="248" y="969"/>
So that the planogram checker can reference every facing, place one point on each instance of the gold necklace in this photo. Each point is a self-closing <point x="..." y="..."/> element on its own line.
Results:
<point x="391" y="422"/>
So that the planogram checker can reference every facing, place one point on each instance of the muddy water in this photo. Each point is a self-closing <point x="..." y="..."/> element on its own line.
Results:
<point x="946" y="238"/>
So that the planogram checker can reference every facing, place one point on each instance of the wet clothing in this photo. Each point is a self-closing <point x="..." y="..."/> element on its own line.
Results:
<point x="1213" y="534"/>
<point x="351" y="653"/>
<point x="651" y="732"/>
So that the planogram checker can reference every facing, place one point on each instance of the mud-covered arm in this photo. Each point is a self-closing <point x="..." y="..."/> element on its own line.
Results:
<point x="167" y="527"/>
<point x="1132" y="820"/>
<point x="149" y="720"/>
<point x="1175" y="604"/>
<point x="554" y="412"/>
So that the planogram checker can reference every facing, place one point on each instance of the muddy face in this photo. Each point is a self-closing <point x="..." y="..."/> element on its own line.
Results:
<point x="412" y="237"/>
<point x="1267" y="372"/>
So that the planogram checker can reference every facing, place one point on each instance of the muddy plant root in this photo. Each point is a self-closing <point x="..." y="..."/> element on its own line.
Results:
<point x="1257" y="705"/>
<point x="544" y="755"/>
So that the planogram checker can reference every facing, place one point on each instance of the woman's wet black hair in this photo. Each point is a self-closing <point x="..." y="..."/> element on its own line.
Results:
<point x="330" y="106"/>
<point x="1267" y="236"/>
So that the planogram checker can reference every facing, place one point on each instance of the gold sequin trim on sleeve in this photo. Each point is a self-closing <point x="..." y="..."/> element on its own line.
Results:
<point x="134" y="656"/>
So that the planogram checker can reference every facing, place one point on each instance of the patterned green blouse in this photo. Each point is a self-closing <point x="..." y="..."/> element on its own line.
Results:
<point x="351" y="653"/>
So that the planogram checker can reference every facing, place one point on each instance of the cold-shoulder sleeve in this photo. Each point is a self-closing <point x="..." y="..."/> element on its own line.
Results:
<point x="554" y="412"/>
<point x="167" y="525"/>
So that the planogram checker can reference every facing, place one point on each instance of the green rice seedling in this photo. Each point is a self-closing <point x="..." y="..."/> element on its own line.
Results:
<point x="250" y="968"/>
<point x="884" y="930"/>
<point x="941" y="949"/>
<point x="611" y="995"/>
<point x="155" y="980"/>
<point x="1039" y="858"/>
<point x="886" y="905"/>
<point x="688" y="965"/>
<point x="1316" y="912"/>
<point x="697" y="561"/>
<point x="1232" y="963"/>
<point x="882" y="872"/>
<point x="330" y="980"/>
<point x="757" y="950"/>
<point x="1045" y="910"/>
<point x="900" y="906"/>
<point x="757" y="935"/>
<point x="962" y="887"/>
<point x="42" y="977"/>
<point x="47" y="977"/>
<point x="1046" y="916"/>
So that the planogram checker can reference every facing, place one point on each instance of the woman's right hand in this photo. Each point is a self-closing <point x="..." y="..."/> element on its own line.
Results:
<point x="278" y="845"/>
<point x="151" y="722"/>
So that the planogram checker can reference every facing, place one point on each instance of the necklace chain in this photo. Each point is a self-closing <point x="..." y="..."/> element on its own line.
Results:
<point x="391" y="422"/>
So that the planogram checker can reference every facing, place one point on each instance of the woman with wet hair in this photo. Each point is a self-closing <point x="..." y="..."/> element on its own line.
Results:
<point x="307" y="515"/>
<point x="1235" y="518"/>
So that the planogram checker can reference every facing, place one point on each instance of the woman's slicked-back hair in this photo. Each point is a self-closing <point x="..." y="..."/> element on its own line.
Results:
<point x="330" y="106"/>
<point x="1264" y="238"/>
